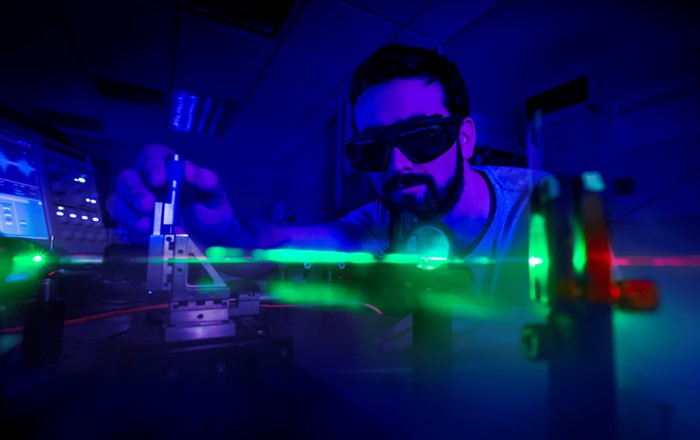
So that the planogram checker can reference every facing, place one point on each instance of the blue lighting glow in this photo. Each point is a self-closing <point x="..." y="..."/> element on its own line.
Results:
<point x="182" y="110"/>
<point x="16" y="277"/>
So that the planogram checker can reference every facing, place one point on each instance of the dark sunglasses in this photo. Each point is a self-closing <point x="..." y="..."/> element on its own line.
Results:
<point x="421" y="141"/>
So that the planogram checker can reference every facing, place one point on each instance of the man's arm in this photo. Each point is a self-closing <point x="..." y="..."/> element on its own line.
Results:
<point x="207" y="214"/>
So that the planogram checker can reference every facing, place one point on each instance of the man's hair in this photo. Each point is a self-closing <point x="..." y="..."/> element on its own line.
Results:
<point x="397" y="61"/>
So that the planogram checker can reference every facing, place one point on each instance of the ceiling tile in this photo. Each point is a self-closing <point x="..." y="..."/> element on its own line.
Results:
<point x="133" y="123"/>
<point x="142" y="66"/>
<point x="269" y="113"/>
<point x="307" y="70"/>
<point x="411" y="38"/>
<point x="313" y="122"/>
<point x="400" y="11"/>
<point x="339" y="31"/>
<point x="218" y="60"/>
<point x="130" y="41"/>
<point x="127" y="22"/>
<point x="445" y="18"/>
<point x="39" y="69"/>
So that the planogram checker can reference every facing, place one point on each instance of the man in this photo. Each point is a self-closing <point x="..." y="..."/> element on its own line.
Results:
<point x="401" y="96"/>
<point x="415" y="136"/>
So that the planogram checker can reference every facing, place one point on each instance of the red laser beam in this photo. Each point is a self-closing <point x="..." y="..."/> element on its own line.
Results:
<point x="666" y="261"/>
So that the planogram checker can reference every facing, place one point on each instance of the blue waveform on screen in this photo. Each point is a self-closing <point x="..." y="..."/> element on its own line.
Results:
<point x="22" y="165"/>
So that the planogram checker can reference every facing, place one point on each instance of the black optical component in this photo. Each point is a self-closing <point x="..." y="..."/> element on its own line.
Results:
<point x="420" y="140"/>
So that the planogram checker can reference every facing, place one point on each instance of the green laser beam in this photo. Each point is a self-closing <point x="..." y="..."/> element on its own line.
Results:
<point x="222" y="255"/>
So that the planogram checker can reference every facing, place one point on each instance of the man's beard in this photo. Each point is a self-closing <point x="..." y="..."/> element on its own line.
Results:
<point x="435" y="202"/>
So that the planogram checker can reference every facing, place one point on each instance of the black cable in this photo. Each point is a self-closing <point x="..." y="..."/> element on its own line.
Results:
<point x="657" y="196"/>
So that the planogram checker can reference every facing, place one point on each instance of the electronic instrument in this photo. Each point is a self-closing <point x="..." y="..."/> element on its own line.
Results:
<point x="48" y="192"/>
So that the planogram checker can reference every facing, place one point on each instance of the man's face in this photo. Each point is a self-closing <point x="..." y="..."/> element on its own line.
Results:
<point x="428" y="190"/>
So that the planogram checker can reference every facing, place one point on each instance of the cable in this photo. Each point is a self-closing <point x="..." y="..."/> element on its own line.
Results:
<point x="113" y="313"/>
<point x="373" y="308"/>
<point x="105" y="315"/>
<point x="657" y="196"/>
<point x="11" y="330"/>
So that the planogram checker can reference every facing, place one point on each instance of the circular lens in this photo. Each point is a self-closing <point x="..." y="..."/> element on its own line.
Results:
<point x="431" y="244"/>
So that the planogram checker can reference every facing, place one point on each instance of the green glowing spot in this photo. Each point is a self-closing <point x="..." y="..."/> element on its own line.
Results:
<point x="216" y="253"/>
<point x="430" y="263"/>
<point x="312" y="293"/>
<point x="458" y="306"/>
<point x="401" y="259"/>
<point x="204" y="281"/>
<point x="481" y="260"/>
<point x="534" y="261"/>
<point x="539" y="263"/>
<point x="578" y="258"/>
<point x="311" y="256"/>
<point x="22" y="264"/>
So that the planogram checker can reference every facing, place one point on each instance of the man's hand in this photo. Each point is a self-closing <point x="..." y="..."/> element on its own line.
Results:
<point x="206" y="211"/>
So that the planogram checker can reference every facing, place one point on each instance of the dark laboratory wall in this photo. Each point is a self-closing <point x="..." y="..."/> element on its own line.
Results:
<point x="656" y="360"/>
<point x="250" y="187"/>
<point x="305" y="179"/>
<point x="640" y="124"/>
<point x="641" y="129"/>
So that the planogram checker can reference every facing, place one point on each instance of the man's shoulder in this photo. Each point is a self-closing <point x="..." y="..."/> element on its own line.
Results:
<point x="512" y="178"/>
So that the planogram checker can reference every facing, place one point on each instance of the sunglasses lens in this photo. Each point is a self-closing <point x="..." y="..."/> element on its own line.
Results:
<point x="420" y="143"/>
<point x="424" y="144"/>
<point x="367" y="154"/>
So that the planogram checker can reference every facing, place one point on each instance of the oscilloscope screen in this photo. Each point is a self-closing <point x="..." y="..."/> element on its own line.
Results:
<point x="21" y="203"/>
